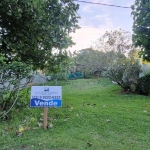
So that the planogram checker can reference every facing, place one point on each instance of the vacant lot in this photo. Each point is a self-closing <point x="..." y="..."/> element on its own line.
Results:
<point x="95" y="115"/>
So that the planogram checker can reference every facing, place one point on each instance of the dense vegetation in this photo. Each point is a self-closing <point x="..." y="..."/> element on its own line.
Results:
<point x="141" y="29"/>
<point x="31" y="30"/>
<point x="143" y="86"/>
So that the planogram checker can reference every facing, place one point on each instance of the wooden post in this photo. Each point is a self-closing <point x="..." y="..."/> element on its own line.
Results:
<point x="45" y="117"/>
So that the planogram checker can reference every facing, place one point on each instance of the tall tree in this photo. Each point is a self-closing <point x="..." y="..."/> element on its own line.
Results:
<point x="115" y="44"/>
<point x="119" y="68"/>
<point x="141" y="27"/>
<point x="29" y="30"/>
<point x="118" y="41"/>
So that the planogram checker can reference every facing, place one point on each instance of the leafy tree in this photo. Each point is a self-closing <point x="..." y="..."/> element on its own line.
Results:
<point x="107" y="49"/>
<point x="90" y="62"/>
<point x="30" y="30"/>
<point x="122" y="67"/>
<point x="114" y="44"/>
<point x="118" y="41"/>
<point x="141" y="27"/>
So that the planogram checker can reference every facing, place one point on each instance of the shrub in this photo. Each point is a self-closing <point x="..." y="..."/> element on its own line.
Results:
<point x="143" y="86"/>
<point x="125" y="74"/>
<point x="11" y="75"/>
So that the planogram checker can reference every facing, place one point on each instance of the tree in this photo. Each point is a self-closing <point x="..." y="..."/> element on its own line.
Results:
<point x="141" y="27"/>
<point x="90" y="62"/>
<point x="30" y="30"/>
<point x="114" y="44"/>
<point x="109" y="48"/>
<point x="121" y="65"/>
<point x="59" y="70"/>
<point x="118" y="41"/>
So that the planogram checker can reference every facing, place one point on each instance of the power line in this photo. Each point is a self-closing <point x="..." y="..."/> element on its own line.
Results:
<point x="101" y="4"/>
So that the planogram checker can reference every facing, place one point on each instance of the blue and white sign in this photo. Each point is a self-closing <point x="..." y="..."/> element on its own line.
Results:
<point x="46" y="96"/>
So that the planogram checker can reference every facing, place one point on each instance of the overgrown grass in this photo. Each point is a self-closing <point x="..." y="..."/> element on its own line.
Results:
<point x="95" y="115"/>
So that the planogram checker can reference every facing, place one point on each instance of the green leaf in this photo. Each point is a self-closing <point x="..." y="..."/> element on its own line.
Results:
<point x="54" y="40"/>
<point x="9" y="13"/>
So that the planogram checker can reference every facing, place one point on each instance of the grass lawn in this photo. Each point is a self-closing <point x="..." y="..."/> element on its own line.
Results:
<point x="95" y="116"/>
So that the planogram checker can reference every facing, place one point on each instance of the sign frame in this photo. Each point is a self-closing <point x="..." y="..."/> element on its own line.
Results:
<point x="46" y="96"/>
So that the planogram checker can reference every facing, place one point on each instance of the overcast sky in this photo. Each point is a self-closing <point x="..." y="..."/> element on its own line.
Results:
<point x="96" y="19"/>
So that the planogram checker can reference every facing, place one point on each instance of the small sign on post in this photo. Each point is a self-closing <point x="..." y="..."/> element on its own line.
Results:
<point x="46" y="96"/>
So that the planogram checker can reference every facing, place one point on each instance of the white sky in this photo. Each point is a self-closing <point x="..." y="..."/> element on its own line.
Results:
<point x="97" y="19"/>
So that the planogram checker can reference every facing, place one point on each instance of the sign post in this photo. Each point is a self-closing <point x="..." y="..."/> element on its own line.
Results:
<point x="46" y="96"/>
<point x="45" y="117"/>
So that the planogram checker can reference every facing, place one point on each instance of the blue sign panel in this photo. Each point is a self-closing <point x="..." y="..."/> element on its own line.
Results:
<point x="46" y="96"/>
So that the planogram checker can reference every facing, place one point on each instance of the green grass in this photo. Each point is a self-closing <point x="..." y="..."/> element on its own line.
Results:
<point x="95" y="116"/>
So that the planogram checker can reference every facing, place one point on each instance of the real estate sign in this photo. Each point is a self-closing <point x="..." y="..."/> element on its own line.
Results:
<point x="46" y="96"/>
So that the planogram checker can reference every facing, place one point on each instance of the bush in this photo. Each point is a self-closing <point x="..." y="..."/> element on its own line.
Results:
<point x="143" y="86"/>
<point x="125" y="74"/>
<point x="11" y="75"/>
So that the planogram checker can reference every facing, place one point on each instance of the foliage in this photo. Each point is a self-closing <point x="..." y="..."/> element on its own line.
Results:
<point x="29" y="30"/>
<point x="143" y="86"/>
<point x="90" y="62"/>
<point x="60" y="67"/>
<point x="121" y="65"/>
<point x="125" y="72"/>
<point x="141" y="29"/>
<point x="23" y="98"/>
<point x="118" y="41"/>
<point x="10" y="83"/>
<point x="115" y="45"/>
<point x="111" y="48"/>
